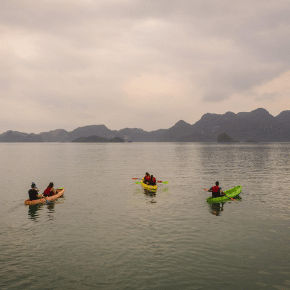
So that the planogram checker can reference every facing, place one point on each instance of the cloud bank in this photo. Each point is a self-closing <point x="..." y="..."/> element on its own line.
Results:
<point x="144" y="64"/>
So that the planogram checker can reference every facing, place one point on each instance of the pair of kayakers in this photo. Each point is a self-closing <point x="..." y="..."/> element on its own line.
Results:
<point x="34" y="192"/>
<point x="216" y="190"/>
<point x="149" y="179"/>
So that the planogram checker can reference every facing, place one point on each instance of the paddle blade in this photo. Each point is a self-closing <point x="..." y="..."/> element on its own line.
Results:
<point x="138" y="182"/>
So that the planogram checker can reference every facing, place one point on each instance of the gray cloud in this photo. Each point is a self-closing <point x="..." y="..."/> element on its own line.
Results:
<point x="94" y="61"/>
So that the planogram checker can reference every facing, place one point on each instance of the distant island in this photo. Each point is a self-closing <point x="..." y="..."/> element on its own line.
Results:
<point x="97" y="139"/>
<point x="255" y="126"/>
<point x="225" y="138"/>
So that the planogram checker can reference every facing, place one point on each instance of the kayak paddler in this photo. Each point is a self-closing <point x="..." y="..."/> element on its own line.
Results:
<point x="33" y="192"/>
<point x="152" y="180"/>
<point x="49" y="190"/>
<point x="216" y="190"/>
<point x="147" y="178"/>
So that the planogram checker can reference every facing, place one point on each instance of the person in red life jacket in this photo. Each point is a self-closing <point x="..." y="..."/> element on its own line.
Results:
<point x="33" y="192"/>
<point x="152" y="180"/>
<point x="216" y="191"/>
<point x="49" y="190"/>
<point x="147" y="178"/>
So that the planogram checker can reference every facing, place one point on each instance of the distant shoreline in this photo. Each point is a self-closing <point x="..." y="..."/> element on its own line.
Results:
<point x="251" y="127"/>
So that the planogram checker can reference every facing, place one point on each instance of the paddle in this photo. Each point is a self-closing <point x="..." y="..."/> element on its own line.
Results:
<point x="139" y="182"/>
<point x="164" y="182"/>
<point x="224" y="195"/>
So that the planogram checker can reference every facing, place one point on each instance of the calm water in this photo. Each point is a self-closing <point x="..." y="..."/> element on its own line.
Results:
<point x="105" y="233"/>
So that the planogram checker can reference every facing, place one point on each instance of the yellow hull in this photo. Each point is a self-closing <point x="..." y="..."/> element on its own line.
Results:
<point x="148" y="187"/>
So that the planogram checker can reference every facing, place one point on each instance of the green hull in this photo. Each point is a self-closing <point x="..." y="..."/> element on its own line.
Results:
<point x="228" y="193"/>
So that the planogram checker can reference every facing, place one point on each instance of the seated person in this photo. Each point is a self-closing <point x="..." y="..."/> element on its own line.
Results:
<point x="216" y="191"/>
<point x="33" y="192"/>
<point x="152" y="180"/>
<point x="147" y="178"/>
<point x="49" y="190"/>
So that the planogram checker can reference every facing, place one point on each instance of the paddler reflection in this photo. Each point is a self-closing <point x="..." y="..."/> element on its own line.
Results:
<point x="33" y="211"/>
<point x="50" y="206"/>
<point x="216" y="208"/>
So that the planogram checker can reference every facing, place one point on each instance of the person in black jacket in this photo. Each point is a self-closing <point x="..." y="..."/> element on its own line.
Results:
<point x="33" y="192"/>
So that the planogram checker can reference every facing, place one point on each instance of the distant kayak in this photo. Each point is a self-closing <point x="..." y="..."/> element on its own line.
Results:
<point x="60" y="192"/>
<point x="230" y="193"/>
<point x="151" y="188"/>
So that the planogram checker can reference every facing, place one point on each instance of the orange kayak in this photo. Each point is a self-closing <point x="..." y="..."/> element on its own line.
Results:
<point x="60" y="192"/>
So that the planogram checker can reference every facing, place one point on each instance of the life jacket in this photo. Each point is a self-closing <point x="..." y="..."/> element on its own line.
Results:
<point x="153" y="180"/>
<point x="47" y="191"/>
<point x="147" y="178"/>
<point x="215" y="190"/>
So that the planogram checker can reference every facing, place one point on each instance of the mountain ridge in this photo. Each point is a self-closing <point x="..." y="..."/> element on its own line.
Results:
<point x="258" y="126"/>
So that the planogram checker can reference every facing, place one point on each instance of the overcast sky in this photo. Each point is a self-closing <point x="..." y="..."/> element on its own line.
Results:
<point x="140" y="63"/>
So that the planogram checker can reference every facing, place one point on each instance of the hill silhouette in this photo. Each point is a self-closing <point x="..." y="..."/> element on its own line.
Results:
<point x="257" y="126"/>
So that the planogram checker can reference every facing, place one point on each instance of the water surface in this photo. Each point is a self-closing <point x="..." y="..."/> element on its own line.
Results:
<point x="106" y="233"/>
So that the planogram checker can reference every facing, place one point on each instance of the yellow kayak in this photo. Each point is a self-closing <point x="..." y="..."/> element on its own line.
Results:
<point x="148" y="187"/>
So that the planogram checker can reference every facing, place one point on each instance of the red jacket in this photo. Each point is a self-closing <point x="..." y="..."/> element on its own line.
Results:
<point x="147" y="178"/>
<point x="47" y="191"/>
<point x="215" y="189"/>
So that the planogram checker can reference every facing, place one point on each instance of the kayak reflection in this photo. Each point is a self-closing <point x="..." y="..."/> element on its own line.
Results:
<point x="216" y="208"/>
<point x="33" y="211"/>
<point x="150" y="193"/>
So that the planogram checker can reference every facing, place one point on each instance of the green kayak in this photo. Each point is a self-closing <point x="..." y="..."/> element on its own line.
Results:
<point x="228" y="193"/>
